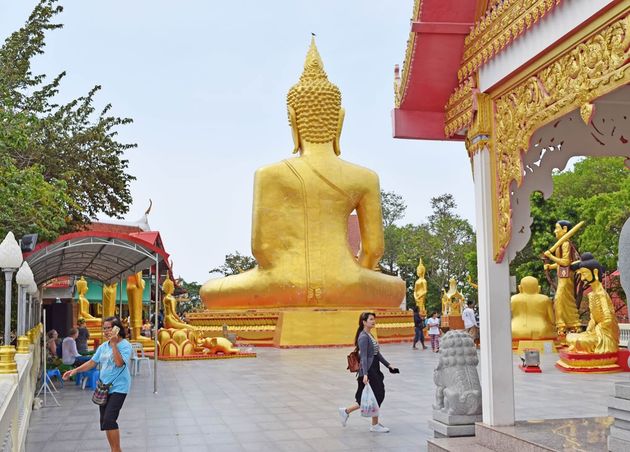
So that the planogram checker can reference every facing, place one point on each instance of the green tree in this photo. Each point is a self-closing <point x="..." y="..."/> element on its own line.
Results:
<point x="234" y="264"/>
<point x="193" y="301"/>
<point x="67" y="142"/>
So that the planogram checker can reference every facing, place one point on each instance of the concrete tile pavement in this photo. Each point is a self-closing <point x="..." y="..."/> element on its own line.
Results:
<point x="288" y="400"/>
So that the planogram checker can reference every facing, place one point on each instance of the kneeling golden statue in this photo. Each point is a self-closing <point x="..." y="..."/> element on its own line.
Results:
<point x="300" y="218"/>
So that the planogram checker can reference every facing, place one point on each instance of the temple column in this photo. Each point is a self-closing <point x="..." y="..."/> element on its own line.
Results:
<point x="497" y="380"/>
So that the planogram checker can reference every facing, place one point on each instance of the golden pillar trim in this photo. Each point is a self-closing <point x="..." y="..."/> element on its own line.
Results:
<point x="585" y="72"/>
<point x="479" y="133"/>
<point x="23" y="344"/>
<point x="500" y="26"/>
<point x="7" y="360"/>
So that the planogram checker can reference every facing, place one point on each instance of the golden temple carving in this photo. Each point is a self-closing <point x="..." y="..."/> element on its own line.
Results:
<point x="480" y="132"/>
<point x="399" y="95"/>
<point x="589" y="70"/>
<point x="458" y="111"/>
<point x="501" y="25"/>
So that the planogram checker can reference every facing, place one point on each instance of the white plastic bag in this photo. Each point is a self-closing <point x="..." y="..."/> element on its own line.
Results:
<point x="369" y="405"/>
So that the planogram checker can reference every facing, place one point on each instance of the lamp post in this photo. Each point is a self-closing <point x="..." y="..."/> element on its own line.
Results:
<point x="24" y="278"/>
<point x="10" y="261"/>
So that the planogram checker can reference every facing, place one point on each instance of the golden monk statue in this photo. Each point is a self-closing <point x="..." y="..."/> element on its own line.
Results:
<point x="109" y="299"/>
<point x="602" y="332"/>
<point x="300" y="218"/>
<point x="532" y="312"/>
<point x="420" y="289"/>
<point x="452" y="300"/>
<point x="171" y="319"/>
<point x="562" y="254"/>
<point x="84" y="304"/>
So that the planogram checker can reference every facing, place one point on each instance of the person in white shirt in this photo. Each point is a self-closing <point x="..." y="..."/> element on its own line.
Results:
<point x="470" y="321"/>
<point x="69" y="353"/>
<point x="433" y="324"/>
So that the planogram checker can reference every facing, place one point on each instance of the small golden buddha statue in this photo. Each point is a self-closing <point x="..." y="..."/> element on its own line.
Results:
<point x="452" y="300"/>
<point x="420" y="289"/>
<point x="84" y="304"/>
<point x="532" y="312"/>
<point x="300" y="218"/>
<point x="566" y="313"/>
<point x="602" y="332"/>
<point x="171" y="319"/>
<point x="109" y="299"/>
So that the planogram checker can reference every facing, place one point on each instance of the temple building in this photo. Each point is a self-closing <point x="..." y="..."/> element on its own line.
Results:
<point x="524" y="85"/>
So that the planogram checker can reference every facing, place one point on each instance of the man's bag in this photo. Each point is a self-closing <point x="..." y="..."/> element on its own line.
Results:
<point x="369" y="405"/>
<point x="354" y="363"/>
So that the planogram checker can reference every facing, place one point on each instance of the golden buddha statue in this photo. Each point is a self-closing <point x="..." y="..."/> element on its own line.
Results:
<point x="135" y="290"/>
<point x="109" y="299"/>
<point x="84" y="304"/>
<point x="171" y="319"/>
<point x="562" y="254"/>
<point x="532" y="312"/>
<point x="420" y="289"/>
<point x="602" y="333"/>
<point x="452" y="299"/>
<point x="300" y="218"/>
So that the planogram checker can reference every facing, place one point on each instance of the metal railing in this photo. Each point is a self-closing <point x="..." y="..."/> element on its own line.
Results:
<point x="624" y="334"/>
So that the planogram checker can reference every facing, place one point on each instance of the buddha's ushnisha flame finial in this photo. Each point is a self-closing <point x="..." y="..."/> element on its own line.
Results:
<point x="315" y="101"/>
<point x="313" y="65"/>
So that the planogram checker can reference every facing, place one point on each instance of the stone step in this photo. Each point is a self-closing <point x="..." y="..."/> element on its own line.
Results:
<point x="504" y="438"/>
<point x="467" y="444"/>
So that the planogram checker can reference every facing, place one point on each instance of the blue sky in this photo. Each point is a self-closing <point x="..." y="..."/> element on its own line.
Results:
<point x="206" y="83"/>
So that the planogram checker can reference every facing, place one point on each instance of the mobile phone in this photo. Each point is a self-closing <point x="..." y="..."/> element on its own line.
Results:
<point x="115" y="330"/>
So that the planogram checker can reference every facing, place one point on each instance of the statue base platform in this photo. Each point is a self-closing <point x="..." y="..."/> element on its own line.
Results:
<point x="588" y="362"/>
<point x="200" y="356"/>
<point x="95" y="328"/>
<point x="302" y="327"/>
<point x="453" y="322"/>
<point x="548" y="345"/>
<point x="530" y="369"/>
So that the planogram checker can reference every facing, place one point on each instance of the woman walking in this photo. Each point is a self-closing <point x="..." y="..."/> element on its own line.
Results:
<point x="434" y="332"/>
<point x="370" y="370"/>
<point x="113" y="357"/>
<point x="418" y="325"/>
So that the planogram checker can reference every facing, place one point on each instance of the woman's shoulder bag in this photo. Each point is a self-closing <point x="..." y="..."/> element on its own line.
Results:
<point x="354" y="362"/>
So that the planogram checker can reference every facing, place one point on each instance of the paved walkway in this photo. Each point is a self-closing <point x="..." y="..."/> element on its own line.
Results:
<point x="286" y="400"/>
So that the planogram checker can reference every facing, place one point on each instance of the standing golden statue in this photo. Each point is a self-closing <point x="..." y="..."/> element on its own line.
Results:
<point x="420" y="289"/>
<point x="562" y="253"/>
<point x="602" y="332"/>
<point x="135" y="291"/>
<point x="84" y="304"/>
<point x="109" y="299"/>
<point x="532" y="313"/>
<point x="300" y="218"/>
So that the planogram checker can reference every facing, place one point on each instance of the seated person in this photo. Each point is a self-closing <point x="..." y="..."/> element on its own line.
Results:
<point x="69" y="354"/>
<point x="82" y="339"/>
<point x="51" y="343"/>
<point x="146" y="328"/>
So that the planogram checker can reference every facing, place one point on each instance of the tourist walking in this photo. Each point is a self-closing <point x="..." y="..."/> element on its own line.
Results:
<point x="113" y="357"/>
<point x="434" y="331"/>
<point x="470" y="321"/>
<point x="418" y="326"/>
<point x="369" y="371"/>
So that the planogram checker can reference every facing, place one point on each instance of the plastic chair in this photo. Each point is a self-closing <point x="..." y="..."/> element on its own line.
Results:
<point x="55" y="373"/>
<point x="138" y="349"/>
<point x="90" y="378"/>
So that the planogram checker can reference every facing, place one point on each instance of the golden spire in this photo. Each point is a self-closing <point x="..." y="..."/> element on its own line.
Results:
<point x="315" y="101"/>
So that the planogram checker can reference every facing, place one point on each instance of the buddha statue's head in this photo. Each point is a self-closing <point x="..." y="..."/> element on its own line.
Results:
<point x="420" y="271"/>
<point x="529" y="285"/>
<point x="314" y="105"/>
<point x="82" y="286"/>
<point x="167" y="286"/>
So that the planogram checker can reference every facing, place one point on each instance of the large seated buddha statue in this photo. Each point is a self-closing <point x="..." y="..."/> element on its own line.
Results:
<point x="300" y="218"/>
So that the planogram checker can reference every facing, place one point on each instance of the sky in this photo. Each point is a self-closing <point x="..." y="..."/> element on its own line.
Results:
<point x="205" y="82"/>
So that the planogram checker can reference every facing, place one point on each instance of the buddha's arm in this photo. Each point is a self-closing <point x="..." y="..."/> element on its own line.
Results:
<point x="371" y="225"/>
<point x="258" y="239"/>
